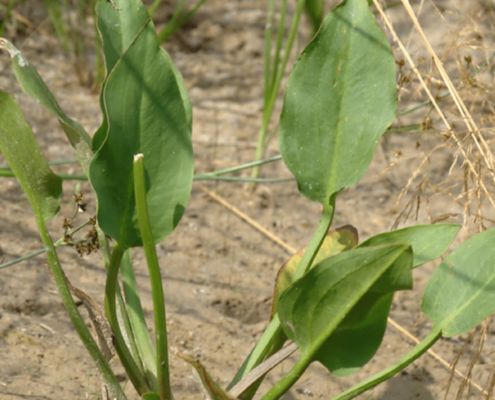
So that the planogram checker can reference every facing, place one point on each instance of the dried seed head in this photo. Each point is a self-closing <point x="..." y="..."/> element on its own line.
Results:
<point x="78" y="197"/>
<point x="67" y="224"/>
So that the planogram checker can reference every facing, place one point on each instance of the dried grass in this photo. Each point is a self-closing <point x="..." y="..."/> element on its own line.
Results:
<point x="459" y="125"/>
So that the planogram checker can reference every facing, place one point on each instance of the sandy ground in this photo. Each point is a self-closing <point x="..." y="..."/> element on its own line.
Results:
<point x="218" y="270"/>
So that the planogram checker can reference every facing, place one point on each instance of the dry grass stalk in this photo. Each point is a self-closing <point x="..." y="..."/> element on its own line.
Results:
<point x="449" y="133"/>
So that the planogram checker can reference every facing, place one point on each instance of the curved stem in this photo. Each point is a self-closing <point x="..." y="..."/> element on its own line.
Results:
<point x="272" y="332"/>
<point x="75" y="317"/>
<point x="155" y="278"/>
<point x="387" y="373"/>
<point x="111" y="310"/>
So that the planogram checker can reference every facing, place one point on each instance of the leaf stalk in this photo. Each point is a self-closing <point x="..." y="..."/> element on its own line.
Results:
<point x="162" y="365"/>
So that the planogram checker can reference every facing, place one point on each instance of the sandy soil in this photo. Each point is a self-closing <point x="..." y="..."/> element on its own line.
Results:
<point x="218" y="270"/>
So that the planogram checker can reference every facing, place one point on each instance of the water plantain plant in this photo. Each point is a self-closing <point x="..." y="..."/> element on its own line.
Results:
<point x="331" y="299"/>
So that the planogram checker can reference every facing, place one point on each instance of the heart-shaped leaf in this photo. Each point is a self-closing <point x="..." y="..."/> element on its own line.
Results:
<point x="340" y="98"/>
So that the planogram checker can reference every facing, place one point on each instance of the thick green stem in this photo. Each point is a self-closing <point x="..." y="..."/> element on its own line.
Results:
<point x="122" y="312"/>
<point x="387" y="373"/>
<point x="75" y="317"/>
<point x="315" y="244"/>
<point x="155" y="277"/>
<point x="274" y="329"/>
<point x="111" y="310"/>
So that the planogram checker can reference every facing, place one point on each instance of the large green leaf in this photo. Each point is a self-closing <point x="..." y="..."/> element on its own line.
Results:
<point x="461" y="292"/>
<point x="31" y="82"/>
<point x="22" y="152"/>
<point x="340" y="98"/>
<point x="146" y="111"/>
<point x="315" y="305"/>
<point x="427" y="241"/>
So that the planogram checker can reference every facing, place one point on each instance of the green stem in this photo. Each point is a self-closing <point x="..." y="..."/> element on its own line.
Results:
<point x="387" y="373"/>
<point x="274" y="89"/>
<point x="155" y="278"/>
<point x="57" y="162"/>
<point x="169" y="28"/>
<point x="127" y="333"/>
<point x="241" y="179"/>
<point x="288" y="380"/>
<point x="123" y="316"/>
<point x="268" y="49"/>
<point x="18" y="260"/>
<point x="111" y="310"/>
<point x="274" y="329"/>
<point x="138" y="323"/>
<point x="152" y="9"/>
<point x="6" y="171"/>
<point x="6" y="16"/>
<point x="75" y="317"/>
<point x="279" y="42"/>
<point x="186" y="17"/>
<point x="238" y="167"/>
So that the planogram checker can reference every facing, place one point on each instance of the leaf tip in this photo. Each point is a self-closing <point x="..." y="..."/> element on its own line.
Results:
<point x="138" y="157"/>
<point x="14" y="52"/>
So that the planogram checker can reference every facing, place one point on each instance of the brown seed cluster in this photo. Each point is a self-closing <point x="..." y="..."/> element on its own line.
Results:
<point x="90" y="242"/>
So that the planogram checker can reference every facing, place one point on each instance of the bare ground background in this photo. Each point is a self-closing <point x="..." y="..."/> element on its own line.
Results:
<point x="218" y="270"/>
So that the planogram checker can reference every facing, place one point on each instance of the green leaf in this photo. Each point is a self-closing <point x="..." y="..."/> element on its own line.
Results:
<point x="340" y="98"/>
<point x="312" y="308"/>
<point x="215" y="391"/>
<point x="461" y="292"/>
<point x="31" y="82"/>
<point x="21" y="150"/>
<point x="146" y="111"/>
<point x="337" y="241"/>
<point x="427" y="241"/>
<point x="358" y="337"/>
